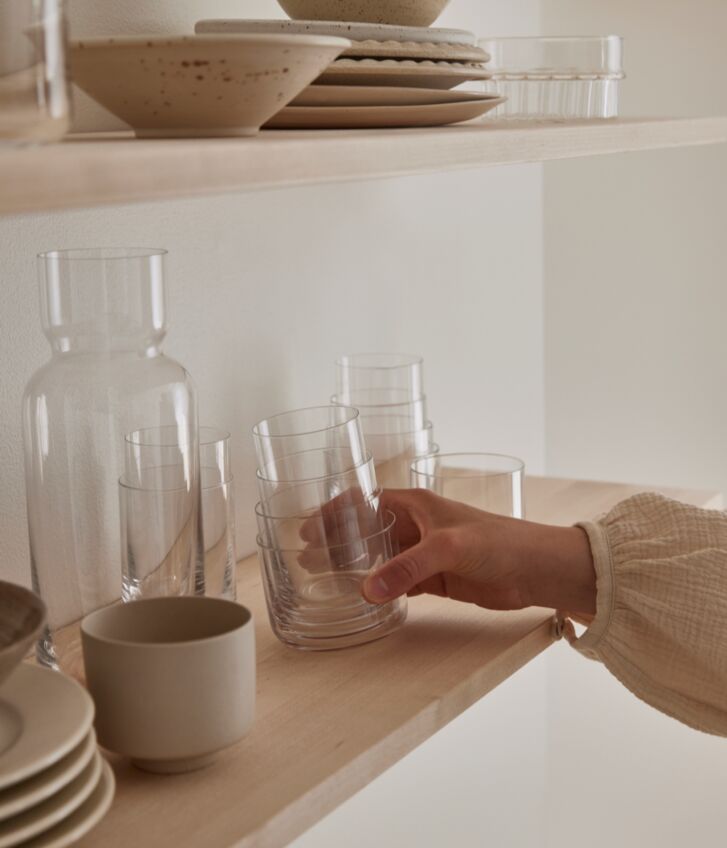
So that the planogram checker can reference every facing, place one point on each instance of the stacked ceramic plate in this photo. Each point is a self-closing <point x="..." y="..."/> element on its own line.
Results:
<point x="391" y="76"/>
<point x="54" y="784"/>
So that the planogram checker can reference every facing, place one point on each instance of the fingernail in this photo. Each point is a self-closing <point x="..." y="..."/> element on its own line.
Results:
<point x="376" y="589"/>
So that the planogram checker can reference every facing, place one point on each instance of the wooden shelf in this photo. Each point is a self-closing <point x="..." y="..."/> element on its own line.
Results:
<point x="329" y="723"/>
<point x="111" y="170"/>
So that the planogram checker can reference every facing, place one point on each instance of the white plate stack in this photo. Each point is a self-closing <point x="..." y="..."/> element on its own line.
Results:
<point x="391" y="76"/>
<point x="54" y="784"/>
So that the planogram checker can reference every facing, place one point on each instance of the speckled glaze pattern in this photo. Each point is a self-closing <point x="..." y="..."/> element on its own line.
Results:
<point x="401" y="72"/>
<point x="421" y="13"/>
<point x="372" y="49"/>
<point x="204" y="85"/>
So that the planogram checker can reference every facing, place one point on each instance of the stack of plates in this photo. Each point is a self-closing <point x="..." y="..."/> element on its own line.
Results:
<point x="390" y="77"/>
<point x="54" y="784"/>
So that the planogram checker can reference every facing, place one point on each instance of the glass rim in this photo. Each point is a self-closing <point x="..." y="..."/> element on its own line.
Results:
<point x="259" y="506"/>
<point x="408" y="360"/>
<point x="130" y="440"/>
<point x="256" y="431"/>
<point x="101" y="254"/>
<point x="215" y="435"/>
<point x="368" y="461"/>
<point x="518" y="465"/>
<point x="130" y="487"/>
<point x="390" y="523"/>
<point x="427" y="427"/>
<point x="421" y="400"/>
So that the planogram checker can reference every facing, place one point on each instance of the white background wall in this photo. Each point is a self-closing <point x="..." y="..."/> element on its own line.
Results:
<point x="635" y="375"/>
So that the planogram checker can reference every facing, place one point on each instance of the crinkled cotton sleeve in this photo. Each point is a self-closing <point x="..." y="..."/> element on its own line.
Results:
<point x="661" y="619"/>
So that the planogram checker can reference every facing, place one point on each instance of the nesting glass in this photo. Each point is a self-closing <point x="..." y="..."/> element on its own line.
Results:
<point x="218" y="513"/>
<point x="488" y="481"/>
<point x="380" y="373"/>
<point x="321" y="529"/>
<point x="34" y="89"/>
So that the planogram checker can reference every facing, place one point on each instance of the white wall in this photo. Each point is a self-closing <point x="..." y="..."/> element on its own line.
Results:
<point x="265" y="290"/>
<point x="635" y="376"/>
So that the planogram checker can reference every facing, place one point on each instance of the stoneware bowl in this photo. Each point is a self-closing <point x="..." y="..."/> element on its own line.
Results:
<point x="199" y="85"/>
<point x="418" y="13"/>
<point x="22" y="616"/>
<point x="173" y="679"/>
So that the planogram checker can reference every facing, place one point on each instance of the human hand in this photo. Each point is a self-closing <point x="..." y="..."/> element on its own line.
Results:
<point x="457" y="551"/>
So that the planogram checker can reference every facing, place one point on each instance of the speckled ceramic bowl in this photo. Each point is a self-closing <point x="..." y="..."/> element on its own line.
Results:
<point x="418" y="13"/>
<point x="22" y="616"/>
<point x="200" y="85"/>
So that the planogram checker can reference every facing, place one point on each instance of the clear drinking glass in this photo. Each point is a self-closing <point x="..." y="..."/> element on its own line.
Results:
<point x="315" y="428"/>
<point x="375" y="402"/>
<point x="314" y="595"/>
<point x="488" y="481"/>
<point x="218" y="513"/>
<point x="103" y="312"/>
<point x="161" y="459"/>
<point x="330" y="469"/>
<point x="34" y="91"/>
<point x="161" y="540"/>
<point x="393" y="456"/>
<point x="380" y="373"/>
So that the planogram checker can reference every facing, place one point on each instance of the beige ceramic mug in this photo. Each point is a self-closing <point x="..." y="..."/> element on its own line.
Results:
<point x="173" y="679"/>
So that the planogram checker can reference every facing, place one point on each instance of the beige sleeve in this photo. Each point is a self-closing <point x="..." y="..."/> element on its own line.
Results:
<point x="661" y="620"/>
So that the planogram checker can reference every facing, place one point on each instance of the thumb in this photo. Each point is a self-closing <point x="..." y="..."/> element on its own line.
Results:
<point x="405" y="571"/>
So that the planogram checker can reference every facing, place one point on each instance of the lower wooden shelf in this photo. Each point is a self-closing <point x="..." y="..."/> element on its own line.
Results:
<point x="94" y="171"/>
<point x="329" y="723"/>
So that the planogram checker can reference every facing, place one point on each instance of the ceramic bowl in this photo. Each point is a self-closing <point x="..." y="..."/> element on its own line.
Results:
<point x="418" y="13"/>
<point x="22" y="616"/>
<point x="173" y="679"/>
<point x="200" y="85"/>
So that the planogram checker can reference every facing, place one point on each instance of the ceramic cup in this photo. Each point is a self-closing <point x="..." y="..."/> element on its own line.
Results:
<point x="173" y="679"/>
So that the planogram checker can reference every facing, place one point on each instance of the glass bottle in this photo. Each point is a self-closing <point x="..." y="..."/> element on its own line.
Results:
<point x="103" y="312"/>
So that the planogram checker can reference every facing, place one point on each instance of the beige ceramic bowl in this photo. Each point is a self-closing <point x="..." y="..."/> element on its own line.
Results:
<point x="173" y="679"/>
<point x="200" y="85"/>
<point x="22" y="616"/>
<point x="418" y="13"/>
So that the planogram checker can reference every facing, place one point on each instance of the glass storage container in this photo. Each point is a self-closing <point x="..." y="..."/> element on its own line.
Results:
<point x="103" y="312"/>
<point x="555" y="77"/>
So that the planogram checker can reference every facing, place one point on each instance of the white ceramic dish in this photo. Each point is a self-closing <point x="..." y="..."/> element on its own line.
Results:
<point x="381" y="95"/>
<point x="203" y="85"/>
<point x="53" y="810"/>
<point x="84" y="819"/>
<point x="420" y="13"/>
<point x="35" y="789"/>
<point x="32" y="736"/>
<point x="369" y="117"/>
<point x="401" y="72"/>
<point x="342" y="29"/>
<point x="22" y="615"/>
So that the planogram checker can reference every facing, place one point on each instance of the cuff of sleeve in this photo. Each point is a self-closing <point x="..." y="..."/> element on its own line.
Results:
<point x="589" y="642"/>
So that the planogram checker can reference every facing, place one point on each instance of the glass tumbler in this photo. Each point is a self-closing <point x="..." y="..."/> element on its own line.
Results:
<point x="386" y="402"/>
<point x="399" y="373"/>
<point x="314" y="594"/>
<point x="160" y="534"/>
<point x="218" y="513"/>
<point x="488" y="481"/>
<point x="104" y="314"/>
<point x="331" y="470"/>
<point x="34" y="90"/>
<point x="303" y="430"/>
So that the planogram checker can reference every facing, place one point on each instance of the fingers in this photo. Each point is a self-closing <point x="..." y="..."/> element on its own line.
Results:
<point x="406" y="572"/>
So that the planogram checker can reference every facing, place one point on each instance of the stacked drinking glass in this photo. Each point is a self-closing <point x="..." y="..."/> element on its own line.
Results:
<point x="388" y="391"/>
<point x="321" y="529"/>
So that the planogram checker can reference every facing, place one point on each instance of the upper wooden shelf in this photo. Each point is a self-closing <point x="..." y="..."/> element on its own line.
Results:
<point x="329" y="723"/>
<point x="109" y="170"/>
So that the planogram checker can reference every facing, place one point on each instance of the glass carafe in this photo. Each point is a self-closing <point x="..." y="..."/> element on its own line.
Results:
<point x="103" y="312"/>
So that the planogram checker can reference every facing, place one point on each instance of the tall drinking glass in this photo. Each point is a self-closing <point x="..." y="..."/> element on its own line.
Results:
<point x="218" y="513"/>
<point x="488" y="481"/>
<point x="34" y="91"/>
<point x="398" y="373"/>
